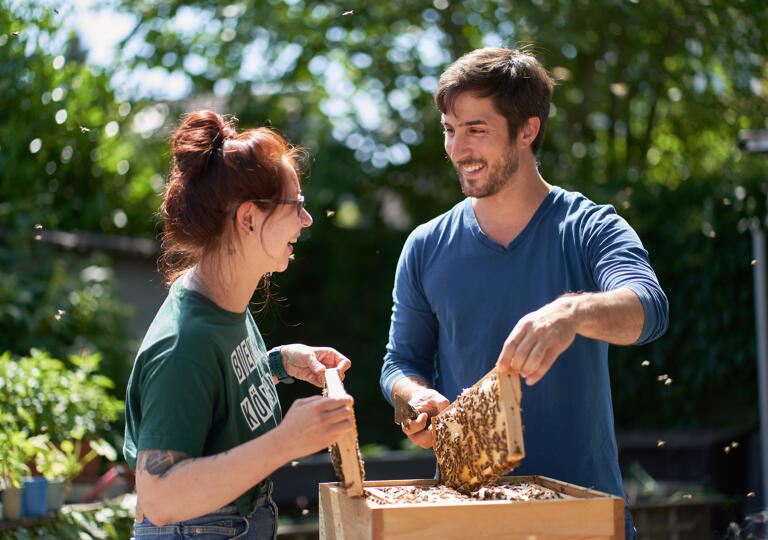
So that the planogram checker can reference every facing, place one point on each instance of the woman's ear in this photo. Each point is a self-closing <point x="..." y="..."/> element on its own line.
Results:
<point x="245" y="217"/>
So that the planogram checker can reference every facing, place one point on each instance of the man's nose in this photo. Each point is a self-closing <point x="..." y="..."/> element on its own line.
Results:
<point x="458" y="148"/>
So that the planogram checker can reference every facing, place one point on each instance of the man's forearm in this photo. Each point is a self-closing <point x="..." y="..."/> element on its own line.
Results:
<point x="615" y="316"/>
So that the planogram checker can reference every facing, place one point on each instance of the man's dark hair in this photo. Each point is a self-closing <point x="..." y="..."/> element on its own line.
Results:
<point x="518" y="85"/>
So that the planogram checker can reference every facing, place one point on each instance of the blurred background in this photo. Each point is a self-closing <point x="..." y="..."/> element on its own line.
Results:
<point x="646" y="116"/>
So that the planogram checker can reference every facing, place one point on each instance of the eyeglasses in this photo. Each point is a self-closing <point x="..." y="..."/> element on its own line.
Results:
<point x="298" y="201"/>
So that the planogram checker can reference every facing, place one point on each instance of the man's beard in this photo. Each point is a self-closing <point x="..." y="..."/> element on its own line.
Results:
<point x="498" y="177"/>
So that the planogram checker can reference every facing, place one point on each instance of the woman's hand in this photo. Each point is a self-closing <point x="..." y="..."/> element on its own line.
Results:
<point x="309" y="363"/>
<point x="314" y="423"/>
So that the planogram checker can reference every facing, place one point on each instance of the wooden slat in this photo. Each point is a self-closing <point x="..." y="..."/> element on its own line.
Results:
<point x="349" y="452"/>
<point x="511" y="395"/>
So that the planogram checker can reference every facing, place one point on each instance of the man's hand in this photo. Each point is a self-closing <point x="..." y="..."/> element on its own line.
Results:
<point x="537" y="340"/>
<point x="429" y="403"/>
<point x="309" y="363"/>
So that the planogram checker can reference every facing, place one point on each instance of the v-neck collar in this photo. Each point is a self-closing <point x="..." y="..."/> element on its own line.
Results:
<point x="470" y="221"/>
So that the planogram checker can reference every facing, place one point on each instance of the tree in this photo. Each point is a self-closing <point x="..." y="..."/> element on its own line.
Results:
<point x="68" y="154"/>
<point x="650" y="98"/>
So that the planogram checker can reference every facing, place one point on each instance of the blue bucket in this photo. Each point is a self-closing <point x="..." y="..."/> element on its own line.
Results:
<point x="34" y="499"/>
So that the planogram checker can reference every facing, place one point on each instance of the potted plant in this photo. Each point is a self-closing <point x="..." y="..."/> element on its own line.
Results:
<point x="61" y="463"/>
<point x="15" y="450"/>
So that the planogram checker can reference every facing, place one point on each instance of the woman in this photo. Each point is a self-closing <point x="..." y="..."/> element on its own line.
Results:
<point x="203" y="421"/>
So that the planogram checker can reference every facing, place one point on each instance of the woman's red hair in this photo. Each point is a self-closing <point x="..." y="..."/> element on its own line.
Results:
<point x="215" y="169"/>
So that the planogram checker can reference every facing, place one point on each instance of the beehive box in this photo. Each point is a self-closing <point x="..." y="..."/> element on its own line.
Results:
<point x="579" y="513"/>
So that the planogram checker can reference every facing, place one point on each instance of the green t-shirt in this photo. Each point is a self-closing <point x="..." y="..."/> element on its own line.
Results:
<point x="200" y="383"/>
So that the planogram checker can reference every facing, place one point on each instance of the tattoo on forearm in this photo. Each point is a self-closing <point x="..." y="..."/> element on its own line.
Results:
<point x="159" y="462"/>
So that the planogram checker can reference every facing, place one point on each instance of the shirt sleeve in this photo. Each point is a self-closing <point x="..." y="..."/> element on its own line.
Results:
<point x="413" y="327"/>
<point x="617" y="259"/>
<point x="178" y="399"/>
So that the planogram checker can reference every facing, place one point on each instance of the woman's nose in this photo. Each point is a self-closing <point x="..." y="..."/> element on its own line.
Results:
<point x="306" y="218"/>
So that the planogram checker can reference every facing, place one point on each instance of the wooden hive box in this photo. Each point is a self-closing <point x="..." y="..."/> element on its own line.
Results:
<point x="582" y="514"/>
<point x="477" y="439"/>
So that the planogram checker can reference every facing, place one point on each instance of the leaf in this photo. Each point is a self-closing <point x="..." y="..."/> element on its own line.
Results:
<point x="104" y="449"/>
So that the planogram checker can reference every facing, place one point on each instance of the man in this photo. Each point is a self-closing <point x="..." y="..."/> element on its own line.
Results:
<point x="521" y="274"/>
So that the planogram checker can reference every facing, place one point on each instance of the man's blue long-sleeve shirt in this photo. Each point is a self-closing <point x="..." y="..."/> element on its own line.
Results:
<point x="458" y="294"/>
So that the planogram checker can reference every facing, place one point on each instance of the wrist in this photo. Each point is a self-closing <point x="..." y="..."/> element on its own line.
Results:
<point x="410" y="385"/>
<point x="276" y="366"/>
<point x="575" y="308"/>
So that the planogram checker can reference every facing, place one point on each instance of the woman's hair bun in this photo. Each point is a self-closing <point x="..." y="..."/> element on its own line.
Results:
<point x="199" y="139"/>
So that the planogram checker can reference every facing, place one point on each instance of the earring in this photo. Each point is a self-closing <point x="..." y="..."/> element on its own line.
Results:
<point x="251" y="228"/>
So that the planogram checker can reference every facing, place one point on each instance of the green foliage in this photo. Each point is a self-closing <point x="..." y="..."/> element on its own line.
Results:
<point x="67" y="459"/>
<point x="650" y="99"/>
<point x="62" y="401"/>
<point x="705" y="265"/>
<point x="111" y="520"/>
<point x="16" y="447"/>
<point x="53" y="302"/>
<point x="48" y="408"/>
<point x="66" y="143"/>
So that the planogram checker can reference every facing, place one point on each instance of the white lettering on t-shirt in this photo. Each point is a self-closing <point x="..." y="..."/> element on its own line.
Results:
<point x="257" y="406"/>
<point x="242" y="360"/>
<point x="267" y="389"/>
<point x="249" y="361"/>
<point x="249" y="413"/>
<point x="236" y="367"/>
<point x="259" y="403"/>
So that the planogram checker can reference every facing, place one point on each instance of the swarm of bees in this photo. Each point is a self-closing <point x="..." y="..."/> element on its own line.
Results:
<point x="470" y="439"/>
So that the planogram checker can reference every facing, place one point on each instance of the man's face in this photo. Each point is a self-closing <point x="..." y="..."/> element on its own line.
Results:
<point x="478" y="144"/>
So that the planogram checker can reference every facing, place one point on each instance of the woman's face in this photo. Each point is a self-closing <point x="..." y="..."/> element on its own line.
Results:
<point x="284" y="226"/>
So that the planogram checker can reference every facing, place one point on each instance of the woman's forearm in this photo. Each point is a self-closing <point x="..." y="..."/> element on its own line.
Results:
<point x="174" y="487"/>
